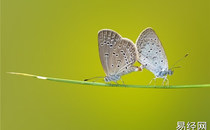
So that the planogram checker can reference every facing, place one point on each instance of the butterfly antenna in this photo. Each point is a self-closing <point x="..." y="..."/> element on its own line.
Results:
<point x="179" y="61"/>
<point x="175" y="67"/>
<point x="93" y="78"/>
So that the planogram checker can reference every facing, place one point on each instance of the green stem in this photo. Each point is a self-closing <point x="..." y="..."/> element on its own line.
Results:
<point x="110" y="85"/>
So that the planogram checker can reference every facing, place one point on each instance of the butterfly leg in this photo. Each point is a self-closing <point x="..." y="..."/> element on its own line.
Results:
<point x="116" y="82"/>
<point x="167" y="81"/>
<point x="122" y="81"/>
<point x="151" y="81"/>
<point x="163" y="81"/>
<point x="155" y="81"/>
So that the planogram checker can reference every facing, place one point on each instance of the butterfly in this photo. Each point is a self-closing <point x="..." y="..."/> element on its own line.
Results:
<point x="151" y="54"/>
<point x="117" y="55"/>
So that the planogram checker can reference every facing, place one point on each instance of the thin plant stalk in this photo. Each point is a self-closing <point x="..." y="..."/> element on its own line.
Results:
<point x="108" y="84"/>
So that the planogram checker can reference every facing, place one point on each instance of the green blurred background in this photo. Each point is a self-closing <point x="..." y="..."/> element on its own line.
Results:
<point x="59" y="39"/>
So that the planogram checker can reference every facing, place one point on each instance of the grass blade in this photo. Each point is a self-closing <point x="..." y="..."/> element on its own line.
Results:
<point x="107" y="84"/>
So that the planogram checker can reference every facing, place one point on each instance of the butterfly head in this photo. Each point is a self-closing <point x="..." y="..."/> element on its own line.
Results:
<point x="170" y="72"/>
<point x="165" y="73"/>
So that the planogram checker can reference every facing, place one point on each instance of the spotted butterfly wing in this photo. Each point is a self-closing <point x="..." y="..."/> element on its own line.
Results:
<point x="117" y="54"/>
<point x="151" y="54"/>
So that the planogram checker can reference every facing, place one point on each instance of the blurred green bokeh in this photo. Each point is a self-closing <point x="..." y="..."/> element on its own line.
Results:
<point x="59" y="39"/>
